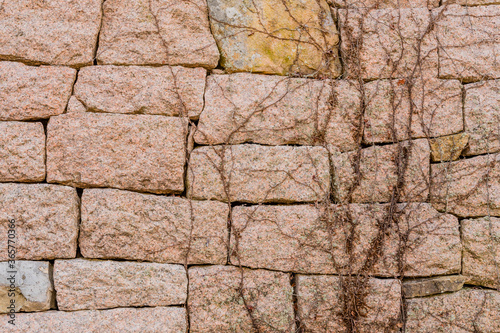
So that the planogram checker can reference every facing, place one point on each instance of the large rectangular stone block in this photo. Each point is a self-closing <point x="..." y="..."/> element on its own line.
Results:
<point x="232" y="299"/>
<point x="276" y="110"/>
<point x="467" y="310"/>
<point x="156" y="32"/>
<point x="337" y="239"/>
<point x="254" y="173"/>
<point x="22" y="152"/>
<point x="165" y="90"/>
<point x="467" y="188"/>
<point x="34" y="290"/>
<point x="276" y="36"/>
<point x="381" y="170"/>
<point x="136" y="152"/>
<point x="469" y="41"/>
<point x="56" y="32"/>
<point x="93" y="284"/>
<point x="481" y="256"/>
<point x="45" y="220"/>
<point x="125" y="320"/>
<point x="127" y="225"/>
<point x="435" y="109"/>
<point x="320" y="304"/>
<point x="482" y="117"/>
<point x="28" y="92"/>
<point x="387" y="43"/>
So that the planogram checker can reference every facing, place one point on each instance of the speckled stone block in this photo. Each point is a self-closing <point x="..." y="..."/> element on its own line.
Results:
<point x="275" y="110"/>
<point x="127" y="225"/>
<point x="254" y="173"/>
<point x="83" y="284"/>
<point x="156" y="32"/>
<point x="311" y="239"/>
<point x="388" y="3"/>
<point x="170" y="91"/>
<point x="378" y="167"/>
<point x="137" y="152"/>
<point x="22" y="152"/>
<point x="124" y="320"/>
<point x="29" y="92"/>
<point x="46" y="220"/>
<point x="230" y="299"/>
<point x="320" y="304"/>
<point x="56" y="32"/>
<point x="467" y="188"/>
<point x="432" y="286"/>
<point x="467" y="310"/>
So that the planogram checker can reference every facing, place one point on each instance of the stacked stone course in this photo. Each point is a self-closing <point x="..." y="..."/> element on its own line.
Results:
<point x="250" y="166"/>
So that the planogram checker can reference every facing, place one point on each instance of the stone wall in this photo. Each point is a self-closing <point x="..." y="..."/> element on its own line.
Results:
<point x="250" y="166"/>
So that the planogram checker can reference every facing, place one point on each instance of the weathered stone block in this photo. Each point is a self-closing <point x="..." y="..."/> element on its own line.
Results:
<point x="56" y="32"/>
<point x="46" y="220"/>
<point x="134" y="226"/>
<point x="126" y="320"/>
<point x="34" y="290"/>
<point x="467" y="188"/>
<point x="94" y="284"/>
<point x="320" y="304"/>
<point x="482" y="117"/>
<point x="432" y="286"/>
<point x="254" y="173"/>
<point x="276" y="37"/>
<point x="481" y="256"/>
<point x="379" y="167"/>
<point x="137" y="152"/>
<point x="274" y="110"/>
<point x="387" y="43"/>
<point x="156" y="32"/>
<point x="232" y="299"/>
<point x="472" y="2"/>
<point x="166" y="90"/>
<point x="386" y="3"/>
<point x="22" y="152"/>
<point x="435" y="109"/>
<point x="33" y="92"/>
<point x="309" y="239"/>
<point x="448" y="148"/>
<point x="467" y="310"/>
<point x="469" y="42"/>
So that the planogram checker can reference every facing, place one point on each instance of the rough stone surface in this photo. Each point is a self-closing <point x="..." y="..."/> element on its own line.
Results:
<point x="320" y="305"/>
<point x="134" y="226"/>
<point x="467" y="188"/>
<point x="448" y="148"/>
<point x="92" y="284"/>
<point x="34" y="290"/>
<point x="169" y="91"/>
<point x="275" y="110"/>
<point x="435" y="110"/>
<point x="57" y="32"/>
<point x="275" y="36"/>
<point x="33" y="92"/>
<point x="308" y="239"/>
<point x="226" y="298"/>
<point x="74" y="105"/>
<point x="46" y="220"/>
<point x="432" y="286"/>
<point x="467" y="310"/>
<point x="253" y="173"/>
<point x="156" y="32"/>
<point x="22" y="152"/>
<point x="472" y="2"/>
<point x="126" y="320"/>
<point x="482" y="117"/>
<point x="481" y="256"/>
<point x="389" y="40"/>
<point x="137" y="152"/>
<point x="469" y="42"/>
<point x="378" y="173"/>
<point x="388" y="3"/>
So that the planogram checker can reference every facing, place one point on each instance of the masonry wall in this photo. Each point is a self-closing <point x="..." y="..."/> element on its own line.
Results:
<point x="250" y="166"/>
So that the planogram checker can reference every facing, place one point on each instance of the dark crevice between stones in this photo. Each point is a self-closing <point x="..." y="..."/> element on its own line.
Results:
<point x="298" y="324"/>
